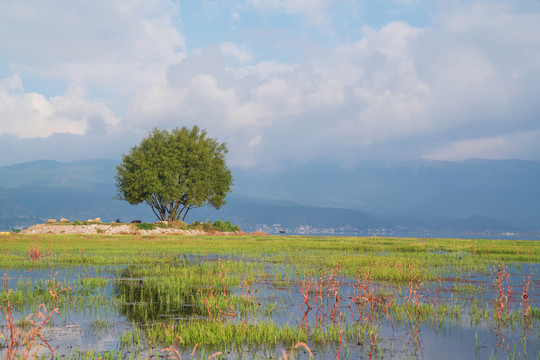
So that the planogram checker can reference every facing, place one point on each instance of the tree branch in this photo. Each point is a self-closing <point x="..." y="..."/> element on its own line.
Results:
<point x="187" y="209"/>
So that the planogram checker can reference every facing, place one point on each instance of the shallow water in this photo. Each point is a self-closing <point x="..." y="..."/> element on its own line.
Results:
<point x="107" y="301"/>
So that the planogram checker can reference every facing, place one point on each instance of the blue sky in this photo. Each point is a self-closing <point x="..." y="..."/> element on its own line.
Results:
<point x="283" y="82"/>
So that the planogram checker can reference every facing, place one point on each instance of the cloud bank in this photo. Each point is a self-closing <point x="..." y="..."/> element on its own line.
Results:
<point x="463" y="85"/>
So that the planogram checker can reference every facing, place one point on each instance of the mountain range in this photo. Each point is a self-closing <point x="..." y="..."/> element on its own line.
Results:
<point x="418" y="196"/>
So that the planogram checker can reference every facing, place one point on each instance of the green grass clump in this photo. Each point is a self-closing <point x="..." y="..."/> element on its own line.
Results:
<point x="225" y="226"/>
<point x="146" y="226"/>
<point x="218" y="225"/>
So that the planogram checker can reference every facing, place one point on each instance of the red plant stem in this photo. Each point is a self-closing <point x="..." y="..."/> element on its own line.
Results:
<point x="305" y="286"/>
<point x="373" y="342"/>
<point x="525" y="295"/>
<point x="207" y="303"/>
<point x="340" y="339"/>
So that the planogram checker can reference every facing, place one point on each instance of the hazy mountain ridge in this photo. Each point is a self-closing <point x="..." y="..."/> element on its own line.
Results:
<point x="49" y="172"/>
<point x="506" y="190"/>
<point x="468" y="196"/>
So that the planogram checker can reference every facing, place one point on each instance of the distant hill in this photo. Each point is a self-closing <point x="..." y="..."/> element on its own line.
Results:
<point x="507" y="191"/>
<point x="36" y="191"/>
<point x="473" y="224"/>
<point x="251" y="212"/>
<point x="48" y="172"/>
<point x="468" y="196"/>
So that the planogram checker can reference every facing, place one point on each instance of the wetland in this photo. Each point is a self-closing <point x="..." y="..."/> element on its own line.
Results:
<point x="268" y="297"/>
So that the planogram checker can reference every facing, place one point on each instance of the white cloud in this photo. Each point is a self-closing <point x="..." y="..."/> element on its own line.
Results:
<point x="509" y="146"/>
<point x="461" y="86"/>
<point x="255" y="141"/>
<point x="396" y="85"/>
<point x="82" y="32"/>
<point x="31" y="115"/>
<point x="231" y="49"/>
<point x="110" y="48"/>
<point x="119" y="46"/>
<point x="265" y="69"/>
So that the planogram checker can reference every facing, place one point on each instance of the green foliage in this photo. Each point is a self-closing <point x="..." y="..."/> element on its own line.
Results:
<point x="206" y="226"/>
<point x="218" y="225"/>
<point x="174" y="172"/>
<point x="194" y="225"/>
<point x="225" y="226"/>
<point x="76" y="222"/>
<point x="197" y="225"/>
<point x="146" y="226"/>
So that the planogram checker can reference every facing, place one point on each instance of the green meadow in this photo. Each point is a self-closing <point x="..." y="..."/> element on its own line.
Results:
<point x="258" y="296"/>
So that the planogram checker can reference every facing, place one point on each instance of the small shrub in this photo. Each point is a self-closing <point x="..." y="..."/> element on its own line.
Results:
<point x="218" y="225"/>
<point x="194" y="225"/>
<point x="146" y="226"/>
<point x="178" y="224"/>
<point x="76" y="222"/>
<point x="35" y="252"/>
<point x="206" y="226"/>
<point x="225" y="226"/>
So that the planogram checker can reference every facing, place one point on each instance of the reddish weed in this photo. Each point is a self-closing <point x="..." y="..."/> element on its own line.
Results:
<point x="23" y="342"/>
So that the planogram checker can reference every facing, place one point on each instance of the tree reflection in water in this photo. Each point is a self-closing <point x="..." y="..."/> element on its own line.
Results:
<point x="144" y="299"/>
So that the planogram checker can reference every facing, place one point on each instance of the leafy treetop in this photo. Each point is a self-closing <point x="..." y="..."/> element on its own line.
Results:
<point x="174" y="172"/>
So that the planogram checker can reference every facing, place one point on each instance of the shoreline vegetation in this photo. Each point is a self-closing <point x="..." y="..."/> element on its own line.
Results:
<point x="96" y="226"/>
<point x="254" y="296"/>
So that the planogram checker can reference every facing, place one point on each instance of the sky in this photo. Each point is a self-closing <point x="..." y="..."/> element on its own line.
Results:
<point x="282" y="82"/>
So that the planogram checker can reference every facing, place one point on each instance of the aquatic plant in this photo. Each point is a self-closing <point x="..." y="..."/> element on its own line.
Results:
<point x="22" y="341"/>
<point x="265" y="293"/>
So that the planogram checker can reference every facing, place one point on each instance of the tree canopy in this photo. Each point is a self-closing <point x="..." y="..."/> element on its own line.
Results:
<point x="174" y="172"/>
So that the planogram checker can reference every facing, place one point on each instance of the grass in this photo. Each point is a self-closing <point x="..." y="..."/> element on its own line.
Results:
<point x="270" y="292"/>
<point x="145" y="226"/>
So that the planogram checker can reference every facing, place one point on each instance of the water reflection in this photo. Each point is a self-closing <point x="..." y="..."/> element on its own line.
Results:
<point x="143" y="300"/>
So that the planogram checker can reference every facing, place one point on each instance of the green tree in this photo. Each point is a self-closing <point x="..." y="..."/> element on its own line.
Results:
<point x="174" y="172"/>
